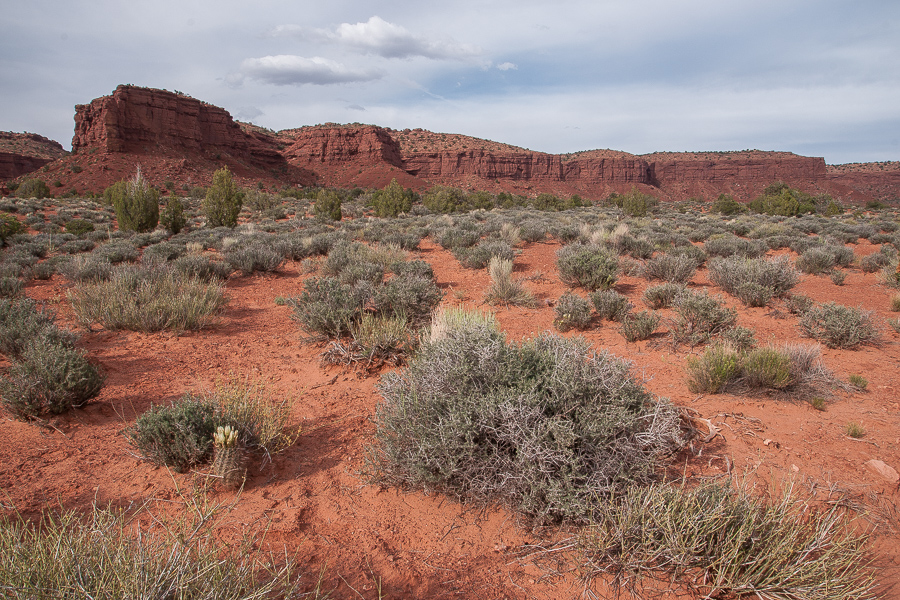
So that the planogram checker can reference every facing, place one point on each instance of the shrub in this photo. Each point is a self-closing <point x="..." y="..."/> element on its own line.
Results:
<point x="548" y="426"/>
<point x="172" y="217"/>
<point x="587" y="266"/>
<point x="855" y="430"/>
<point x="729" y="245"/>
<point x="411" y="297"/>
<point x="457" y="237"/>
<point x="201" y="267"/>
<point x="699" y="317"/>
<point x="739" y="338"/>
<point x="481" y="254"/>
<point x="820" y="259"/>
<point x="754" y="280"/>
<point x="572" y="312"/>
<point x="780" y="199"/>
<point x="610" y="304"/>
<point x="9" y="226"/>
<point x="634" y="203"/>
<point x="713" y="370"/>
<point x="79" y="226"/>
<point x="328" y="206"/>
<point x="725" y="204"/>
<point x="262" y="421"/>
<point x="33" y="188"/>
<point x="858" y="381"/>
<point x="639" y="326"/>
<point x="504" y="289"/>
<point x="326" y="307"/>
<point x="49" y="377"/>
<point x="222" y="203"/>
<point x="22" y="322"/>
<point x="767" y="368"/>
<point x="839" y="326"/>
<point x="671" y="268"/>
<point x="136" y="204"/>
<point x="838" y="277"/>
<point x="148" y="298"/>
<point x="392" y="200"/>
<point x="380" y="338"/>
<point x="662" y="296"/>
<point x="724" y="540"/>
<point x="895" y="302"/>
<point x="257" y="256"/>
<point x="177" y="436"/>
<point x="11" y="287"/>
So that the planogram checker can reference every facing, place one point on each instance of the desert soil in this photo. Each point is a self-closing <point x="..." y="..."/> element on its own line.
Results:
<point x="314" y="501"/>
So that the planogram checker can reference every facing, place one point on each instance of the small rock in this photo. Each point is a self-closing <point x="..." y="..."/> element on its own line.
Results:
<point x="880" y="468"/>
<point x="795" y="468"/>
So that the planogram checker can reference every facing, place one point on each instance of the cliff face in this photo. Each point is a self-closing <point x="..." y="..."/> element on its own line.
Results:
<point x="736" y="170"/>
<point x="142" y="120"/>
<point x="22" y="153"/>
<point x="340" y="144"/>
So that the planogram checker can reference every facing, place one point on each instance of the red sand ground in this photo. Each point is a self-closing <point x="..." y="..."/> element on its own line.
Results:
<point x="314" y="501"/>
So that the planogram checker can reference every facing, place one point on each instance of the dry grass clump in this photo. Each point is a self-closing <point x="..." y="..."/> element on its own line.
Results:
<point x="721" y="540"/>
<point x="504" y="289"/>
<point x="148" y="298"/>
<point x="548" y="426"/>
<point x="105" y="556"/>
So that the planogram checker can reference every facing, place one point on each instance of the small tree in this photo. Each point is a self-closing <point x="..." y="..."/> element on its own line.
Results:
<point x="9" y="226"/>
<point x="223" y="201"/>
<point x="328" y="206"/>
<point x="392" y="200"/>
<point x="172" y="217"/>
<point x="136" y="204"/>
<point x="33" y="188"/>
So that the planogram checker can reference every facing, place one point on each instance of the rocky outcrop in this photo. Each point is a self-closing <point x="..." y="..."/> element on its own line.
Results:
<point x="534" y="167"/>
<point x="338" y="144"/>
<point x="143" y="120"/>
<point x="729" y="170"/>
<point x="22" y="153"/>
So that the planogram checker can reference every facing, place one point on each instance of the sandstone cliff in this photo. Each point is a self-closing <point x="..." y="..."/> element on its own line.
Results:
<point x="22" y="153"/>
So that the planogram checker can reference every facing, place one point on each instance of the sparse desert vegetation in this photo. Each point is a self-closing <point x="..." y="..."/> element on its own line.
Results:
<point x="367" y="386"/>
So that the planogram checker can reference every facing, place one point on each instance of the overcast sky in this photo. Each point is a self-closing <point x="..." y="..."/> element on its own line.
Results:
<point x="815" y="77"/>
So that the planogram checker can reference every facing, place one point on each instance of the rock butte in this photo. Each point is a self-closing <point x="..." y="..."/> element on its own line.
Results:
<point x="181" y="139"/>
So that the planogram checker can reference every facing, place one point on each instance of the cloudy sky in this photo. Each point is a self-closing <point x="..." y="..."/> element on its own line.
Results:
<point x="815" y="77"/>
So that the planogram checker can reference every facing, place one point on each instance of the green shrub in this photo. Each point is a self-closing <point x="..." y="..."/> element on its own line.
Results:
<point x="49" y="377"/>
<point x="838" y="277"/>
<point x="662" y="296"/>
<point x="672" y="268"/>
<point x="634" y="203"/>
<point x="572" y="312"/>
<point x="855" y="430"/>
<point x="858" y="381"/>
<point x="839" y="326"/>
<point x="610" y="304"/>
<point x="548" y="426"/>
<point x="33" y="188"/>
<point x="729" y="245"/>
<point x="699" y="317"/>
<point x="177" y="436"/>
<point x="9" y="226"/>
<point x="392" y="200"/>
<point x="639" y="326"/>
<point x="136" y="204"/>
<point x="148" y="298"/>
<point x="767" y="368"/>
<point x="440" y="199"/>
<point x="781" y="199"/>
<point x="588" y="266"/>
<point x="328" y="206"/>
<point x="740" y="338"/>
<point x="222" y="203"/>
<point x="79" y="226"/>
<point x="457" y="237"/>
<point x="723" y="540"/>
<point x="172" y="217"/>
<point x="713" y="370"/>
<point x="754" y="280"/>
<point x="725" y="204"/>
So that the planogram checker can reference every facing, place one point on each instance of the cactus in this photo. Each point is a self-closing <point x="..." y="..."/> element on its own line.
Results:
<point x="229" y="461"/>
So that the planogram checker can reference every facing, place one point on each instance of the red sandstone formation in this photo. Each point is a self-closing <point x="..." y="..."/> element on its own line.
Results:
<point x="184" y="140"/>
<point x="22" y="153"/>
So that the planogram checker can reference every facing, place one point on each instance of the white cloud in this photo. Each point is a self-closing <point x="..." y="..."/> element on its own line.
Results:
<point x="287" y="69"/>
<point x="508" y="66"/>
<point x="379" y="37"/>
